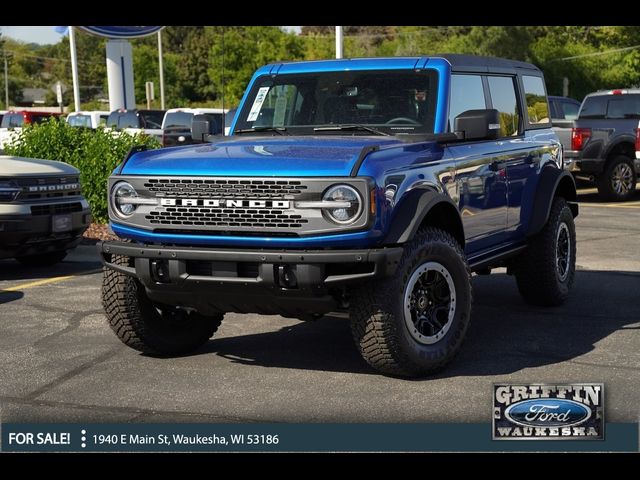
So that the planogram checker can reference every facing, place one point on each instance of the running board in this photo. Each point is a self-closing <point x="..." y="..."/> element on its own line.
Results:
<point x="494" y="257"/>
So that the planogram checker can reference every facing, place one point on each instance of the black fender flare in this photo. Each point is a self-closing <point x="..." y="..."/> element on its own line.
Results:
<point x="623" y="138"/>
<point x="414" y="207"/>
<point x="552" y="181"/>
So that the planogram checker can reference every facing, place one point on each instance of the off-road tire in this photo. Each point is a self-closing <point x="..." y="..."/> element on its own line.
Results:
<point x="138" y="323"/>
<point x="605" y="181"/>
<point x="537" y="275"/>
<point x="378" y="317"/>
<point x="42" y="259"/>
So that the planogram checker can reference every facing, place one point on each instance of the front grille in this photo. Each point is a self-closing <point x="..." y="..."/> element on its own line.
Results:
<point x="28" y="184"/>
<point x="240" y="206"/>
<point x="198" y="188"/>
<point x="56" y="209"/>
<point x="225" y="217"/>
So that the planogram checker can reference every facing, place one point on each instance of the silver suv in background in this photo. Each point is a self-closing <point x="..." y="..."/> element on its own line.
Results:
<point x="42" y="211"/>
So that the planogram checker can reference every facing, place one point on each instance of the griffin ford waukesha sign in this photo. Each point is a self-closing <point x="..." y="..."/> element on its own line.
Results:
<point x="548" y="412"/>
<point x="122" y="32"/>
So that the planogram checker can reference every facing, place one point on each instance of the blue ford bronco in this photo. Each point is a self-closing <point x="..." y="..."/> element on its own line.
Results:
<point x="373" y="186"/>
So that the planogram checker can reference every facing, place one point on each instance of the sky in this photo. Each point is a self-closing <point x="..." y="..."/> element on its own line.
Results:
<point x="45" y="35"/>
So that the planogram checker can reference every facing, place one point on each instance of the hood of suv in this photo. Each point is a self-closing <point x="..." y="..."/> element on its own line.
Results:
<point x="253" y="155"/>
<point x="25" y="167"/>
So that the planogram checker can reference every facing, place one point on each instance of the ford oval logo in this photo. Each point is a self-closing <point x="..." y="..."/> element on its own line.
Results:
<point x="547" y="412"/>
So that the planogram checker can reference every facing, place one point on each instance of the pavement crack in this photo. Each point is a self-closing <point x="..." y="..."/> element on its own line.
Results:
<point x="72" y="373"/>
<point x="73" y="323"/>
<point x="138" y="413"/>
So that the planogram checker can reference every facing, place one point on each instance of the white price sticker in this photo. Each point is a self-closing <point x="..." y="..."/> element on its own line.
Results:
<point x="257" y="104"/>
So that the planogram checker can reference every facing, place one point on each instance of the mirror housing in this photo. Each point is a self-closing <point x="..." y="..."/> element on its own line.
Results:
<point x="478" y="124"/>
<point x="203" y="126"/>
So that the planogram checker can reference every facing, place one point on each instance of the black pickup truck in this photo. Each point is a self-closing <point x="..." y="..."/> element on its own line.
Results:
<point x="600" y="144"/>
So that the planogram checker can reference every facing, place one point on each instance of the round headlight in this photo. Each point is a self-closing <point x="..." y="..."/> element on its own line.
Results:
<point x="122" y="192"/>
<point x="343" y="194"/>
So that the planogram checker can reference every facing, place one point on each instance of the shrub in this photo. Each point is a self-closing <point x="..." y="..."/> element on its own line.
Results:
<point x="95" y="153"/>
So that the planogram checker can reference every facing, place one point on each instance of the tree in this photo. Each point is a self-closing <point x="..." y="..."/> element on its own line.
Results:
<point x="245" y="49"/>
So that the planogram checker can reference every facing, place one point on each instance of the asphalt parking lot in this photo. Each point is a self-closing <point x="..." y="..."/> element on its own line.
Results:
<point x="59" y="361"/>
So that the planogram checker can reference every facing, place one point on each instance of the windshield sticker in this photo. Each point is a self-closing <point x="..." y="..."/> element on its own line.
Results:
<point x="281" y="108"/>
<point x="257" y="104"/>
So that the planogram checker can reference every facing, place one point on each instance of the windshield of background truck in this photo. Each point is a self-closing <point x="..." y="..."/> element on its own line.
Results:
<point x="391" y="101"/>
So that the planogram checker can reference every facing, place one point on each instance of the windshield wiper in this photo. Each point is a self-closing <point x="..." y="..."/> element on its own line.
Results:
<point x="279" y="130"/>
<point x="350" y="126"/>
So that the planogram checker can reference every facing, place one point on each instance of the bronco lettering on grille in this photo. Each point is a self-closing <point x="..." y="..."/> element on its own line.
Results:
<point x="223" y="202"/>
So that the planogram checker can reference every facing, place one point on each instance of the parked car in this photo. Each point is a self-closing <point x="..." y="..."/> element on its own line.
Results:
<point x="2" y="114"/>
<point x="376" y="191"/>
<point x="88" y="119"/>
<point x="148" y="122"/>
<point x="42" y="211"/>
<point x="600" y="145"/>
<point x="13" y="121"/>
<point x="176" y="126"/>
<point x="563" y="108"/>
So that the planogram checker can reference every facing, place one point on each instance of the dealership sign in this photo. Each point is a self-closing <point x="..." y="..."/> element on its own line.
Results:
<point x="122" y="32"/>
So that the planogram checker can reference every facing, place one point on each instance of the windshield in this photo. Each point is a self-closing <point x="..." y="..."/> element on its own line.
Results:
<point x="391" y="101"/>
<point x="178" y="120"/>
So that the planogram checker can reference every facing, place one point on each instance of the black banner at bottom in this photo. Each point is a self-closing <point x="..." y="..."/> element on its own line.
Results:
<point x="320" y="437"/>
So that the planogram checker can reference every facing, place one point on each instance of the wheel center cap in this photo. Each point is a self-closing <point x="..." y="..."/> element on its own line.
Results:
<point x="422" y="302"/>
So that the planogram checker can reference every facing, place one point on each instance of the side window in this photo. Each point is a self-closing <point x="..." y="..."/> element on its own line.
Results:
<point x="503" y="99"/>
<point x="569" y="110"/>
<point x="466" y="94"/>
<point x="536" y="98"/>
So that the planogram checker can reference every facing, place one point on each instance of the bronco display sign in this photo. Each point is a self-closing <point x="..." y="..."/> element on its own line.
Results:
<point x="548" y="412"/>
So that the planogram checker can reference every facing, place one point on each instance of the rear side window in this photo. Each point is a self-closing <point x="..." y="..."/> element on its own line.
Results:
<point x="503" y="99"/>
<point x="536" y="98"/>
<point x="466" y="94"/>
<point x="178" y="120"/>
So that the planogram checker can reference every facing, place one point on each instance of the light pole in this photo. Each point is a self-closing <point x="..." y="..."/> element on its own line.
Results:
<point x="6" y="81"/>
<point x="339" y="42"/>
<point x="74" y="69"/>
<point x="161" y="69"/>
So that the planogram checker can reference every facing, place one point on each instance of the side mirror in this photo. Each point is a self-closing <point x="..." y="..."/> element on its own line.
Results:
<point x="478" y="124"/>
<point x="202" y="126"/>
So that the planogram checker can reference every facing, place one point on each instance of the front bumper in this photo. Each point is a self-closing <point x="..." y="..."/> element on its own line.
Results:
<point x="287" y="282"/>
<point x="27" y="234"/>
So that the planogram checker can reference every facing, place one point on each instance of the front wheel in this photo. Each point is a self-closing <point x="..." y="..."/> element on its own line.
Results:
<point x="414" y="322"/>
<point x="147" y="327"/>
<point x="546" y="269"/>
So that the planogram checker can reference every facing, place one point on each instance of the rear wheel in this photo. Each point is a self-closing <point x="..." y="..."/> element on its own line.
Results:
<point x="43" y="259"/>
<point x="148" y="327"/>
<point x="546" y="270"/>
<point x="413" y="323"/>
<point x="618" y="180"/>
